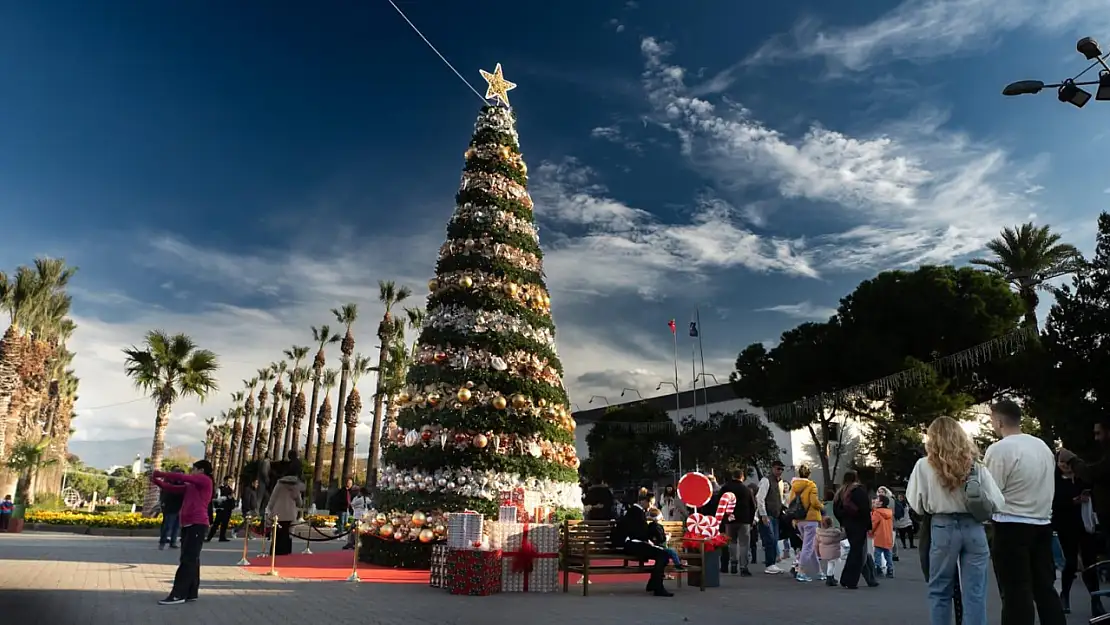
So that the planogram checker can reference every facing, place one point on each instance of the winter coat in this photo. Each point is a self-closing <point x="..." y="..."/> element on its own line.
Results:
<point x="882" y="527"/>
<point x="285" y="502"/>
<point x="807" y="490"/>
<point x="828" y="542"/>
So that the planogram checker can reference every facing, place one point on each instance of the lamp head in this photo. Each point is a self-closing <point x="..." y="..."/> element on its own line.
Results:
<point x="1023" y="87"/>
<point x="659" y="386"/>
<point x="1103" y="92"/>
<point x="1088" y="47"/>
<point x="1072" y="94"/>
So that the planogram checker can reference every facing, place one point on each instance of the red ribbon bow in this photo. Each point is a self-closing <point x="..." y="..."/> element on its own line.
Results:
<point x="525" y="560"/>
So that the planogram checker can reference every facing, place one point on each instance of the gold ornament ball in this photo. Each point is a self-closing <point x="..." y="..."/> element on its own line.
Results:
<point x="463" y="395"/>
<point x="419" y="518"/>
<point x="427" y="536"/>
<point x="574" y="463"/>
<point x="480" y="441"/>
<point x="541" y="402"/>
<point x="466" y="282"/>
<point x="513" y="289"/>
<point x="433" y="285"/>
<point x="505" y="152"/>
<point x="440" y="530"/>
<point x="385" y="531"/>
<point x="499" y="402"/>
<point x="380" y="519"/>
<point x="519" y="402"/>
<point x="433" y="399"/>
<point x="403" y="397"/>
<point x="470" y="153"/>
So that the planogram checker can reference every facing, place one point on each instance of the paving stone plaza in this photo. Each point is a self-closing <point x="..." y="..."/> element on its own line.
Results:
<point x="88" y="580"/>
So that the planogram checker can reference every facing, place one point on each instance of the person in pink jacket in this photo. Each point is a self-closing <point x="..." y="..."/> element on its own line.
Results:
<point x="196" y="487"/>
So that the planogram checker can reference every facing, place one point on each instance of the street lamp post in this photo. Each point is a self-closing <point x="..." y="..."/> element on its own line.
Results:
<point x="677" y="408"/>
<point x="1069" y="90"/>
<point x="601" y="397"/>
<point x="625" y="390"/>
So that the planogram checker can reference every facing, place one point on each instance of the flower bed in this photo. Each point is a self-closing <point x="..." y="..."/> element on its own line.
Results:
<point x="130" y="521"/>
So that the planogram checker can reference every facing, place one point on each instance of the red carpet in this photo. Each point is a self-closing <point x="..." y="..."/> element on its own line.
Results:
<point x="336" y="566"/>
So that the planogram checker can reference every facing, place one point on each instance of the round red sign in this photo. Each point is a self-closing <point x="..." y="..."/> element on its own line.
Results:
<point x="695" y="489"/>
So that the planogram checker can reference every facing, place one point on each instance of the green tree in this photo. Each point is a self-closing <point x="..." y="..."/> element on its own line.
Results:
<point x="1072" y="388"/>
<point x="629" y="445"/>
<point x="26" y="458"/>
<point x="728" y="441"/>
<point x="485" y="395"/>
<point x="890" y="324"/>
<point x="1028" y="257"/>
<point x="389" y="294"/>
<point x="168" y="368"/>
<point x="322" y="336"/>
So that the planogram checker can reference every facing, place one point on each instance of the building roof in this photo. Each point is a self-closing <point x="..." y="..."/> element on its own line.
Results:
<point x="686" y="399"/>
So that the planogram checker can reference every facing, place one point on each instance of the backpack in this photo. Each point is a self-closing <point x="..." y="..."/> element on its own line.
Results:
<point x="798" y="509"/>
<point x="899" y="509"/>
<point x="978" y="506"/>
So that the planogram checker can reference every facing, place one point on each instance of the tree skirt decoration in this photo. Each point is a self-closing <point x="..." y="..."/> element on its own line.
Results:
<point x="959" y="362"/>
<point x="398" y="555"/>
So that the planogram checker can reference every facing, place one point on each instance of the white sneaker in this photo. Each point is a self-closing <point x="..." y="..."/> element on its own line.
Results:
<point x="772" y="570"/>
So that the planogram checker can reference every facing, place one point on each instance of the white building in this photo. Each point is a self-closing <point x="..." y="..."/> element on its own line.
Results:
<point x="798" y="446"/>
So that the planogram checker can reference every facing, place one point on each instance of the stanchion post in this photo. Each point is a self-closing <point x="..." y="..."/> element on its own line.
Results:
<point x="307" y="545"/>
<point x="246" y="541"/>
<point x="273" y="549"/>
<point x="265" y="550"/>
<point x="353" y="577"/>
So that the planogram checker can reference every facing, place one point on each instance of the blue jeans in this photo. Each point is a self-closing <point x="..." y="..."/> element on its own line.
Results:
<point x="769" y="534"/>
<point x="957" y="540"/>
<point x="341" y="524"/>
<point x="673" y="555"/>
<point x="170" y="529"/>
<point x="881" y="554"/>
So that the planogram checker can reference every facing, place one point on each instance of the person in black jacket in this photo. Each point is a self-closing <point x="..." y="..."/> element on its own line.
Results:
<point x="632" y="532"/>
<point x="852" y="508"/>
<point x="738" y="525"/>
<point x="599" y="502"/>
<point x="224" y="505"/>
<point x="171" y="522"/>
<point x="249" y="505"/>
<point x="1075" y="541"/>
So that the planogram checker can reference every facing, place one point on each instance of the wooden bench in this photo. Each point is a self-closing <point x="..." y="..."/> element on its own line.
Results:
<point x="587" y="545"/>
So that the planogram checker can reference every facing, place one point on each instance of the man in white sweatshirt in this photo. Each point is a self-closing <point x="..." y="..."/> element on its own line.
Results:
<point x="1024" y="468"/>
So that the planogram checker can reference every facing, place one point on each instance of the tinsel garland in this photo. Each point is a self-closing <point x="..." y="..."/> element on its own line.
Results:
<point x="959" y="362"/>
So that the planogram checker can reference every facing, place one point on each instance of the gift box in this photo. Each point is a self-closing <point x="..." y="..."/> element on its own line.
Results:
<point x="507" y="514"/>
<point x="530" y="556"/>
<point x="543" y="514"/>
<point x="464" y="530"/>
<point x="473" y="572"/>
<point x="439" y="566"/>
<point x="525" y="502"/>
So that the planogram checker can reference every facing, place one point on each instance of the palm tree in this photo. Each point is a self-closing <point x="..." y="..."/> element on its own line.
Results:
<point x="236" y="436"/>
<point x="169" y="368"/>
<point x="389" y="294"/>
<point x="292" y="432"/>
<point x="392" y="375"/>
<point x="279" y="400"/>
<point x="246" y="413"/>
<point x="323" y="419"/>
<point x="347" y="316"/>
<point x="298" y="408"/>
<point x="1028" y="257"/>
<point x="265" y="376"/>
<point x="209" y="437"/>
<point x="323" y="337"/>
<point x="25" y="459"/>
<point x="38" y="308"/>
<point x="351" y="410"/>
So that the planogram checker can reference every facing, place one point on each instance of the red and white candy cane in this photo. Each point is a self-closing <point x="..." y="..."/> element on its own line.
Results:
<point x="702" y="525"/>
<point x="726" y="506"/>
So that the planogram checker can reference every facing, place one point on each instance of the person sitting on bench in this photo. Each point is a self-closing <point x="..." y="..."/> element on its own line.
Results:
<point x="632" y="532"/>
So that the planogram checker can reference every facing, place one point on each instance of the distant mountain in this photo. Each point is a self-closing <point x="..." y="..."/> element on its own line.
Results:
<point x="104" y="454"/>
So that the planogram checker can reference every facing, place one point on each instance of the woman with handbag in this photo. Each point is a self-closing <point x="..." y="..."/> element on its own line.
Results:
<point x="1074" y="524"/>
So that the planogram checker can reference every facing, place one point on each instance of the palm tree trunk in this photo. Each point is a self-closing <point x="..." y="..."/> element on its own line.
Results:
<point x="10" y="352"/>
<point x="273" y="421"/>
<point x="337" y="440"/>
<point x="373" y="458"/>
<point x="157" y="448"/>
<point x="318" y="463"/>
<point x="258" y="432"/>
<point x="312" y="417"/>
<point x="288" y="430"/>
<point x="349" y="452"/>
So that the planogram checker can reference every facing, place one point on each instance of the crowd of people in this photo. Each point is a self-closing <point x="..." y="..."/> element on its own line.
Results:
<point x="1028" y="510"/>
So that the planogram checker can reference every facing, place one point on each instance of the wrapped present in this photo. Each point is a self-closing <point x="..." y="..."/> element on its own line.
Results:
<point x="507" y="514"/>
<point x="464" y="530"/>
<point x="543" y="514"/>
<point x="525" y="501"/>
<point x="439" y="566"/>
<point x="473" y="572"/>
<point x="530" y="556"/>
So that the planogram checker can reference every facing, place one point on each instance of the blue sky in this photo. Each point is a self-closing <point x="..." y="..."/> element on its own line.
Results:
<point x="234" y="172"/>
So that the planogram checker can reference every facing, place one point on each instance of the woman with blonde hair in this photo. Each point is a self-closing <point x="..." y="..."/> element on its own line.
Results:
<point x="958" y="542"/>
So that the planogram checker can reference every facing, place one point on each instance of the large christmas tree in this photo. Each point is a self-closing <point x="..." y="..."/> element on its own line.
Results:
<point x="484" y="409"/>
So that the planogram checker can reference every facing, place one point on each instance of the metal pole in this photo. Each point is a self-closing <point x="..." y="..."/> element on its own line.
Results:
<point x="694" y="379"/>
<point x="704" y="390"/>
<point x="353" y="577"/>
<point x="246" y="537"/>
<point x="273" y="549"/>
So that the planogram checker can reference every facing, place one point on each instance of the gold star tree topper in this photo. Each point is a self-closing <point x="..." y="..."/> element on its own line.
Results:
<point x="498" y="88"/>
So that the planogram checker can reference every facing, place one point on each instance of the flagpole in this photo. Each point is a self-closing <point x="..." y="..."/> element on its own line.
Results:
<point x="704" y="390"/>
<point x="677" y="388"/>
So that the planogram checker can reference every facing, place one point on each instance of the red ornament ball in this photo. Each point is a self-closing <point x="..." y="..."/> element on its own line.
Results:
<point x="426" y="435"/>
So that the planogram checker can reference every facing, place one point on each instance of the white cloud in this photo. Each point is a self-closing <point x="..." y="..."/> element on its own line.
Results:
<point x="915" y="192"/>
<point x="921" y="31"/>
<point x="802" y="310"/>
